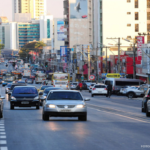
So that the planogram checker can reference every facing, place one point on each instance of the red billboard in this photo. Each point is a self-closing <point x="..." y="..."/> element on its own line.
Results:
<point x="140" y="42"/>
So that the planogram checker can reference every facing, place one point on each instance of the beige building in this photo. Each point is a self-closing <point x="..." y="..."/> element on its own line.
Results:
<point x="34" y="7"/>
<point x="78" y="22"/>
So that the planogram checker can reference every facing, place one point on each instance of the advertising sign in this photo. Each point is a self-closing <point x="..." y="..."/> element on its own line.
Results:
<point x="78" y="9"/>
<point x="63" y="51"/>
<point x="140" y="42"/>
<point x="60" y="30"/>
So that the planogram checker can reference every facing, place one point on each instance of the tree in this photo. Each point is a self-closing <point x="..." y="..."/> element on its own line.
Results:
<point x="39" y="45"/>
<point x="1" y="47"/>
<point x="23" y="53"/>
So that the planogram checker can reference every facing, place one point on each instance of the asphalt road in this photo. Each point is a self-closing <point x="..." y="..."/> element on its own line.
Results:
<point x="114" y="123"/>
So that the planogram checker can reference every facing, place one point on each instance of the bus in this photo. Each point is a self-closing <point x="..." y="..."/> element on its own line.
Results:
<point x="8" y="78"/>
<point x="61" y="80"/>
<point x="118" y="83"/>
<point x="40" y="77"/>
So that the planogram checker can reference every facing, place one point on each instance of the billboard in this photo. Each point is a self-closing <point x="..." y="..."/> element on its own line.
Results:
<point x="63" y="51"/>
<point x="140" y="42"/>
<point x="60" y="30"/>
<point x="78" y="9"/>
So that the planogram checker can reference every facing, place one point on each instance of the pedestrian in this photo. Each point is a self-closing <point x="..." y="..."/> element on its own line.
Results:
<point x="109" y="90"/>
<point x="80" y="86"/>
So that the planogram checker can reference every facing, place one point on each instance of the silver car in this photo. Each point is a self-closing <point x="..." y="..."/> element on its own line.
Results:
<point x="65" y="103"/>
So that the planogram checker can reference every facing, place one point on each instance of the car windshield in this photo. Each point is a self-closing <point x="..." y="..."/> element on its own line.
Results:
<point x="8" y="85"/>
<point x="46" y="91"/>
<point x="12" y="87"/>
<point x="25" y="90"/>
<point x="43" y="87"/>
<point x="64" y="96"/>
<point x="100" y="86"/>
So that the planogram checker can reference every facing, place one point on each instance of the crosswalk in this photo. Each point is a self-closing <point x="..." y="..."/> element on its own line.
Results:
<point x="3" y="141"/>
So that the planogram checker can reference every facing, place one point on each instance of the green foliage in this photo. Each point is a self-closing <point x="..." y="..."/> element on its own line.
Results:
<point x="1" y="47"/>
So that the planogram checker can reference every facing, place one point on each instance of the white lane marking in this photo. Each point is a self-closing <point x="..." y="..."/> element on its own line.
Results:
<point x="3" y="136"/>
<point x="2" y="129"/>
<point x="2" y="133"/>
<point x="3" y="148"/>
<point x="121" y="115"/>
<point x="3" y="142"/>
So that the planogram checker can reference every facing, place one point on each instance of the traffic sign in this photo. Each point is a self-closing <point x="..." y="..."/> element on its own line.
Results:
<point x="113" y="75"/>
<point x="92" y="77"/>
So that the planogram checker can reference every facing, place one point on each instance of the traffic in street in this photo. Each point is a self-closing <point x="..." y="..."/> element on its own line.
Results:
<point x="111" y="123"/>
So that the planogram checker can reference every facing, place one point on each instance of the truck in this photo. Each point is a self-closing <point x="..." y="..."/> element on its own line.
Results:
<point x="27" y="73"/>
<point x="40" y="77"/>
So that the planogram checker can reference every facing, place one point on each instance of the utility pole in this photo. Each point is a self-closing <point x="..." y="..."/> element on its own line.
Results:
<point x="97" y="78"/>
<point x="134" y="64"/>
<point x="82" y="78"/>
<point x="106" y="59"/>
<point x="88" y="62"/>
<point x="118" y="52"/>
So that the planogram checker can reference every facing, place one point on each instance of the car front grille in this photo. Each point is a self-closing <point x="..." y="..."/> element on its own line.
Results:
<point x="25" y="99"/>
<point x="63" y="106"/>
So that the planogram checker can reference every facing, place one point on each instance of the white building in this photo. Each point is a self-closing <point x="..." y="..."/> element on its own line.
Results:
<point x="122" y="19"/>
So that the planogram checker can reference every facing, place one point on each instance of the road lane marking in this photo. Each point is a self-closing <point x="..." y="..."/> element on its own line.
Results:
<point x="3" y="142"/>
<point x="121" y="115"/>
<point x="3" y="136"/>
<point x="3" y="148"/>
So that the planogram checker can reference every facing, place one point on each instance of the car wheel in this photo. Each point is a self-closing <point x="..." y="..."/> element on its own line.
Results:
<point x="11" y="106"/>
<point x="82" y="118"/>
<point x="92" y="95"/>
<point x="1" y="114"/>
<point x="37" y="107"/>
<point x="45" y="117"/>
<point x="147" y="113"/>
<point x="143" y="110"/>
<point x="89" y="91"/>
<point x="131" y="95"/>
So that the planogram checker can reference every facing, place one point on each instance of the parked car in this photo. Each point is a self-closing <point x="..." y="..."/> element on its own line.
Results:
<point x="1" y="106"/>
<point x="73" y="85"/>
<point x="124" y="90"/>
<point x="24" y="96"/>
<point x="65" y="103"/>
<point x="99" y="89"/>
<point x="146" y="98"/>
<point x="134" y="92"/>
<point x="91" y="87"/>
<point x="148" y="109"/>
<point x="7" y="88"/>
<point x="88" y="85"/>
<point x="45" y="93"/>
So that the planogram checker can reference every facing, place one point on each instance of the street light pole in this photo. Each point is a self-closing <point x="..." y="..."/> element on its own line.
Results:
<point x="134" y="64"/>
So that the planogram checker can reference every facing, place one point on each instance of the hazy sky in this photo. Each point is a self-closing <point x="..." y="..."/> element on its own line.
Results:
<point x="54" y="7"/>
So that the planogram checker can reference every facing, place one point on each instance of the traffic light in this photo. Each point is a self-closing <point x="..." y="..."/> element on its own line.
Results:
<point x="46" y="64"/>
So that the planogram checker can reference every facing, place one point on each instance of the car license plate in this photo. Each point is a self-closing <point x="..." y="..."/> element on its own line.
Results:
<point x="65" y="110"/>
<point x="24" y="102"/>
<point x="100" y="91"/>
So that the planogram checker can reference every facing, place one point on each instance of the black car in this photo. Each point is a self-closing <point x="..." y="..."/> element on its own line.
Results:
<point x="45" y="93"/>
<point x="84" y="86"/>
<point x="1" y="107"/>
<point x="24" y="96"/>
<point x="12" y="87"/>
<point x="145" y="99"/>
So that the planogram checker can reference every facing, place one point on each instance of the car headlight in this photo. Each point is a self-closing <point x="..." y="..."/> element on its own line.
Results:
<point x="36" y="98"/>
<point x="13" y="98"/>
<point x="80" y="106"/>
<point x="50" y="106"/>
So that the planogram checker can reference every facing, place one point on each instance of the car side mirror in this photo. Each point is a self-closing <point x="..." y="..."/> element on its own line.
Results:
<point x="87" y="99"/>
<point x="41" y="93"/>
<point x="2" y="97"/>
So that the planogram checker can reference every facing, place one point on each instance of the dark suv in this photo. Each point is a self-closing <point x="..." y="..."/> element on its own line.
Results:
<point x="24" y="96"/>
<point x="12" y="87"/>
<point x="145" y="100"/>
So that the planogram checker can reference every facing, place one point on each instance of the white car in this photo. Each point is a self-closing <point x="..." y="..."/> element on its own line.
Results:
<point x="99" y="89"/>
<point x="91" y="87"/>
<point x="125" y="89"/>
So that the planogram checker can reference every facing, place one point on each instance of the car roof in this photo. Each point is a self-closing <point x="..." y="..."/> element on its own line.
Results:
<point x="25" y="86"/>
<point x="65" y="91"/>
<point x="100" y="84"/>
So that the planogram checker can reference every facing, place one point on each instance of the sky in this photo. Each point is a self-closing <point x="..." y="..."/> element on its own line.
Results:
<point x="54" y="7"/>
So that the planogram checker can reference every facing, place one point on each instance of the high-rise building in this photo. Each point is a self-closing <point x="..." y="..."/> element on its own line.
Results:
<point x="35" y="7"/>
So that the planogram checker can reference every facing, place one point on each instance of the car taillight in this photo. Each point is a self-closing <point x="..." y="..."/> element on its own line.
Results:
<point x="148" y="96"/>
<point x="105" y="89"/>
<point x="94" y="89"/>
<point x="54" y="85"/>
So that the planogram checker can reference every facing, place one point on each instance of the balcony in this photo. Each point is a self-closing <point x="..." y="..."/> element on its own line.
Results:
<point x="66" y="26"/>
<point x="66" y="19"/>
<point x="65" y="4"/>
<point x="66" y="33"/>
<point x="67" y="39"/>
<point x="66" y="12"/>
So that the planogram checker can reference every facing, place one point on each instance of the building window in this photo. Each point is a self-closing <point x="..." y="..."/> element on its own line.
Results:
<point x="128" y="13"/>
<point x="136" y="27"/>
<point x="136" y="16"/>
<point x="148" y="38"/>
<point x="48" y="28"/>
<point x="128" y="25"/>
<point x="136" y="3"/>
<point x="128" y="37"/>
<point x="101" y="5"/>
<point x="129" y="49"/>
<point x="101" y="16"/>
<point x="148" y="27"/>
<point x="148" y="3"/>
<point x="148" y="15"/>
<point x="128" y="1"/>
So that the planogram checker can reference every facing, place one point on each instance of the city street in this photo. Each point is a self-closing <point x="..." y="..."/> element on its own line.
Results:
<point x="112" y="123"/>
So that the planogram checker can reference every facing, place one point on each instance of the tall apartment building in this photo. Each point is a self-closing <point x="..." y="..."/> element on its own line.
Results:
<point x="78" y="22"/>
<point x="35" y="7"/>
<point x="123" y="19"/>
